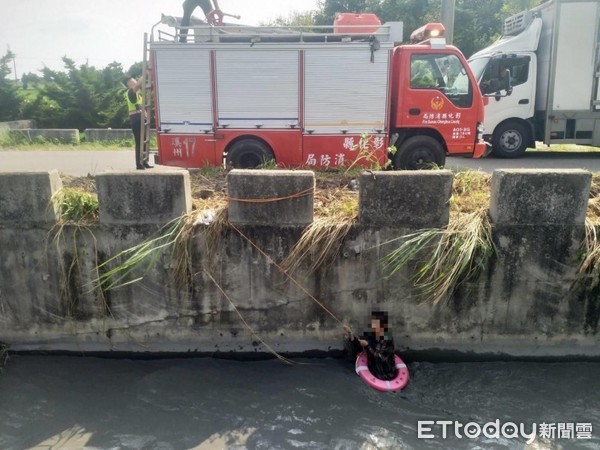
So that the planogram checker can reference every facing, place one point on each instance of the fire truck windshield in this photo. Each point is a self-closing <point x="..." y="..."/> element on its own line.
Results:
<point x="443" y="72"/>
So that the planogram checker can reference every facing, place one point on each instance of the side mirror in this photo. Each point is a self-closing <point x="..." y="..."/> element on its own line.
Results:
<point x="506" y="82"/>
<point x="498" y="87"/>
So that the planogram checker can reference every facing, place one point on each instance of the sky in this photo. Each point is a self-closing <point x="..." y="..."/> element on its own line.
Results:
<point x="41" y="32"/>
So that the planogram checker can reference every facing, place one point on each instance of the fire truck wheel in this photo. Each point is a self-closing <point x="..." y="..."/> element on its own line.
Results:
<point x="419" y="152"/>
<point x="248" y="154"/>
<point x="510" y="140"/>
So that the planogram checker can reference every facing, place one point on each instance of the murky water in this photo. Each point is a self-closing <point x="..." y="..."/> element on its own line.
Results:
<point x="68" y="402"/>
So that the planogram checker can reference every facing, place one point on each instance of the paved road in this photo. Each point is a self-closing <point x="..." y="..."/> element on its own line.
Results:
<point x="84" y="162"/>
<point x="532" y="160"/>
<point x="71" y="162"/>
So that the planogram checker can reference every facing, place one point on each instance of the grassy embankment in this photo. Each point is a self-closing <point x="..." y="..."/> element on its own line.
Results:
<point x="22" y="143"/>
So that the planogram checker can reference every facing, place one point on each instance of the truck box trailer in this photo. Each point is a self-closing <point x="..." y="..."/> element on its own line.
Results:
<point x="552" y="54"/>
<point x="246" y="95"/>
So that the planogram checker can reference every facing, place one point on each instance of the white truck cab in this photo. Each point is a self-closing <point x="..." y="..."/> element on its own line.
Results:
<point x="550" y="56"/>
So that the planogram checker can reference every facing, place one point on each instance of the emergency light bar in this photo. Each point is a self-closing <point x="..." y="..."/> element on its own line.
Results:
<point x="428" y="31"/>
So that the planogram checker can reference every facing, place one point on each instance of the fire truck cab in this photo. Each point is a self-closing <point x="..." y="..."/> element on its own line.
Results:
<point x="247" y="95"/>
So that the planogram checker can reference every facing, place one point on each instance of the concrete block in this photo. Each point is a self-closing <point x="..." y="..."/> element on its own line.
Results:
<point x="17" y="125"/>
<point x="63" y="136"/>
<point x="25" y="197"/>
<point x="110" y="134"/>
<point x="539" y="196"/>
<point x="405" y="199"/>
<point x="97" y="134"/>
<point x="251" y="193"/>
<point x="131" y="198"/>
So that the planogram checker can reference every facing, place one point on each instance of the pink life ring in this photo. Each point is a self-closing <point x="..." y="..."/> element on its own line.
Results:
<point x="396" y="384"/>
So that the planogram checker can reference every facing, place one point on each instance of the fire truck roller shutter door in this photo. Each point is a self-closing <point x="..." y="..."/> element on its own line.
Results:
<point x="344" y="91"/>
<point x="419" y="152"/>
<point x="257" y="88"/>
<point x="248" y="153"/>
<point x="183" y="83"/>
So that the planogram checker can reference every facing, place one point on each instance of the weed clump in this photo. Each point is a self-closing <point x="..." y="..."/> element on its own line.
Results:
<point x="174" y="238"/>
<point x="589" y="267"/>
<point x="320" y="243"/>
<point x="470" y="192"/>
<point x="446" y="257"/>
<point x="77" y="206"/>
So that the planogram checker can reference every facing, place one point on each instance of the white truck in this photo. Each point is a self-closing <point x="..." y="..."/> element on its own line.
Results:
<point x="552" y="94"/>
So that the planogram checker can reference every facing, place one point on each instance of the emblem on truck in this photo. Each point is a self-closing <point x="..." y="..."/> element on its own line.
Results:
<point x="437" y="103"/>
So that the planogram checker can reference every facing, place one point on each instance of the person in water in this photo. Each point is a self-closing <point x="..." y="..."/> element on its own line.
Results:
<point x="379" y="346"/>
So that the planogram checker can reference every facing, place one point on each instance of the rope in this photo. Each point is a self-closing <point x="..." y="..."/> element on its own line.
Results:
<point x="292" y="279"/>
<point x="302" y="288"/>
<point x="271" y="200"/>
<point x="281" y="358"/>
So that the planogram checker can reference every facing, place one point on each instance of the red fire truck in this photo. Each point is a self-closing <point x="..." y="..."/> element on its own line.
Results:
<point x="245" y="95"/>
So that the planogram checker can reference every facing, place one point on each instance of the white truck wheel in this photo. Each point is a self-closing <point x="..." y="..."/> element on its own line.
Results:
<point x="510" y="140"/>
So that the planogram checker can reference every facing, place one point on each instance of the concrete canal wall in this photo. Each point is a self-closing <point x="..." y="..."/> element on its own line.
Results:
<point x="525" y="303"/>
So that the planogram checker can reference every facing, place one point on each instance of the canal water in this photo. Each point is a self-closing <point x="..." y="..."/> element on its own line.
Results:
<point x="81" y="402"/>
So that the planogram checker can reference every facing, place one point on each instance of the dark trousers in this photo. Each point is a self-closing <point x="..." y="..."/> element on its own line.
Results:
<point x="136" y="128"/>
<point x="188" y="9"/>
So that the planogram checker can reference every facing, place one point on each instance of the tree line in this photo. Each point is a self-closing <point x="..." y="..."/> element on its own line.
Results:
<point x="477" y="23"/>
<point x="88" y="97"/>
<point x="79" y="97"/>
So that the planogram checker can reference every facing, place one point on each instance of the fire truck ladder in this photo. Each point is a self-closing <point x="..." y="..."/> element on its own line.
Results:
<point x="146" y="100"/>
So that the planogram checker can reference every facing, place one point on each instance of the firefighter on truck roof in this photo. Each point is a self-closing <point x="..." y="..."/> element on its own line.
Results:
<point x="214" y="15"/>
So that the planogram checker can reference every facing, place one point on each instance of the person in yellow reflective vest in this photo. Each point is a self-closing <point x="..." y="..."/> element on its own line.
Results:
<point x="133" y="97"/>
<point x="214" y="16"/>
